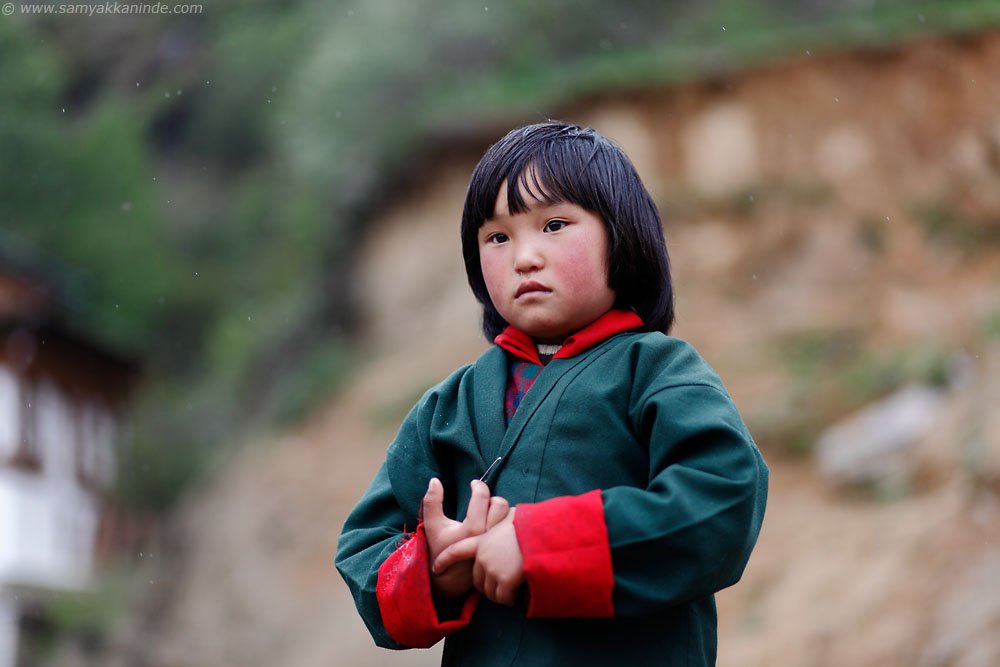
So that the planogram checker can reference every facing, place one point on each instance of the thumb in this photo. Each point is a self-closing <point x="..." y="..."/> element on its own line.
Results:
<point x="433" y="503"/>
<point x="461" y="550"/>
<point x="498" y="510"/>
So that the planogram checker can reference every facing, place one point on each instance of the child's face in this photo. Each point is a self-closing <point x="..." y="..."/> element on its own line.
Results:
<point x="546" y="268"/>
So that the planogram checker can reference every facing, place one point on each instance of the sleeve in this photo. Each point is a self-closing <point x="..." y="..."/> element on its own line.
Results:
<point x="628" y="551"/>
<point x="386" y="569"/>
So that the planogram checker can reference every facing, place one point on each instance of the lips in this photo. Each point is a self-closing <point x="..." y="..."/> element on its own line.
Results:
<point x="530" y="287"/>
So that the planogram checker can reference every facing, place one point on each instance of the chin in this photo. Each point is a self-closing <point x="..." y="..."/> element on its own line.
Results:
<point x="546" y="332"/>
<point x="544" y="325"/>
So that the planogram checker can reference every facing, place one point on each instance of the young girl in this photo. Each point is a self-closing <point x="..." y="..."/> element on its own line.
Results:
<point x="627" y="490"/>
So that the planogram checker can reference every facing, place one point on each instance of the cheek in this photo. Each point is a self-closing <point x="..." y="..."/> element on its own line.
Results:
<point x="584" y="270"/>
<point x="492" y="273"/>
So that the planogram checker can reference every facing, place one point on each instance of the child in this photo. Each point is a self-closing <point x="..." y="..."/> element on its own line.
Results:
<point x="627" y="489"/>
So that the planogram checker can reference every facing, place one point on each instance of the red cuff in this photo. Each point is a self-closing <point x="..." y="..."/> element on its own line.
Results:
<point x="406" y="601"/>
<point x="567" y="559"/>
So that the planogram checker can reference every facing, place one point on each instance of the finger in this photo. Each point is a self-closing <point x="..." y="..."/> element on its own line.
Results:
<point x="498" y="510"/>
<point x="479" y="502"/>
<point x="502" y="594"/>
<point x="461" y="550"/>
<point x="433" y="503"/>
<point x="498" y="591"/>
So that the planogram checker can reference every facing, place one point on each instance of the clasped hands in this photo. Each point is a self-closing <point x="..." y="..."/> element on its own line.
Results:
<point x="481" y="551"/>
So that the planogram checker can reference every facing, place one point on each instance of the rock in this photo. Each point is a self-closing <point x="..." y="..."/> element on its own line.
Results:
<point x="720" y="150"/>
<point x="842" y="152"/>
<point x="876" y="444"/>
<point x="965" y="632"/>
<point x="983" y="455"/>
<point x="626" y="126"/>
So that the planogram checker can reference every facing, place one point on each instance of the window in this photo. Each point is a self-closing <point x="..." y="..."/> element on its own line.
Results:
<point x="10" y="414"/>
<point x="18" y="420"/>
<point x="96" y="453"/>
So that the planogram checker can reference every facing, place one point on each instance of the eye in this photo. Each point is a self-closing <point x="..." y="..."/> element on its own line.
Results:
<point x="554" y="225"/>
<point x="497" y="238"/>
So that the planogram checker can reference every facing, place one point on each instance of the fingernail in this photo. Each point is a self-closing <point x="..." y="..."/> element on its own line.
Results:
<point x="430" y="483"/>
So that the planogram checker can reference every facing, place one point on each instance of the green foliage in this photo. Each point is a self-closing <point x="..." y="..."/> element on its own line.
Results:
<point x="90" y="612"/>
<point x="234" y="111"/>
<point x="834" y="373"/>
<point x="787" y="427"/>
<point x="31" y="78"/>
<point x="159" y="461"/>
<point x="944" y="222"/>
<point x="110" y="211"/>
<point x="85" y="617"/>
<point x="878" y="373"/>
<point x="83" y="193"/>
<point x="990" y="326"/>
<point x="813" y="354"/>
<point x="303" y="389"/>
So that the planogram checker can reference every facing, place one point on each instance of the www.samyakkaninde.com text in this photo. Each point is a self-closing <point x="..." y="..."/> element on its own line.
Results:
<point x="94" y="9"/>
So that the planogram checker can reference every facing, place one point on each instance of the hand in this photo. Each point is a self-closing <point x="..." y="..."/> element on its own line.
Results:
<point x="499" y="567"/>
<point x="441" y="532"/>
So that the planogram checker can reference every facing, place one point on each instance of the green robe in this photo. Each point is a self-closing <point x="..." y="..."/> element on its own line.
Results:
<point x="640" y="416"/>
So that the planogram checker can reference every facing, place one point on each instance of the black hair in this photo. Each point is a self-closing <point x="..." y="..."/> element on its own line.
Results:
<point x="568" y="163"/>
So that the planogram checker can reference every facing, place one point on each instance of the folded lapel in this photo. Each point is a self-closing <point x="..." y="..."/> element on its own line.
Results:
<point x="489" y="381"/>
<point x="489" y="403"/>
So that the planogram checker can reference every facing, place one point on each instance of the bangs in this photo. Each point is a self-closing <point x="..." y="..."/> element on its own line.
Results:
<point x="548" y="170"/>
<point x="552" y="177"/>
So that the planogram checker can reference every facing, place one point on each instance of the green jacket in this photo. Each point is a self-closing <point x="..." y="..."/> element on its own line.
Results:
<point x="641" y="417"/>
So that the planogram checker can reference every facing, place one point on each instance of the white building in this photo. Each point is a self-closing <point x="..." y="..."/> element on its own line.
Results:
<point x="59" y="394"/>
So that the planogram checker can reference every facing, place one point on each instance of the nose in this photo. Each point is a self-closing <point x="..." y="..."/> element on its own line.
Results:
<point x="527" y="257"/>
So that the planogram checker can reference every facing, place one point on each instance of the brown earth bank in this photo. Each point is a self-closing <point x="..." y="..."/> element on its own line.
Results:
<point x="833" y="225"/>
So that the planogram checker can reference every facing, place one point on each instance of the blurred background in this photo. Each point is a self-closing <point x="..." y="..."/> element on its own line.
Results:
<point x="229" y="264"/>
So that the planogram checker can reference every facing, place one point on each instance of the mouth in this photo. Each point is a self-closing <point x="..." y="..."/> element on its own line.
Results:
<point x="530" y="287"/>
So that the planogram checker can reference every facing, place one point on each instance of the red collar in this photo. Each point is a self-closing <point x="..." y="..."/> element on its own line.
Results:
<point x="522" y="346"/>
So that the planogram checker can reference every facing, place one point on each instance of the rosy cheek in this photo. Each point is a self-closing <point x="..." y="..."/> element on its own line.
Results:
<point x="492" y="275"/>
<point x="583" y="271"/>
